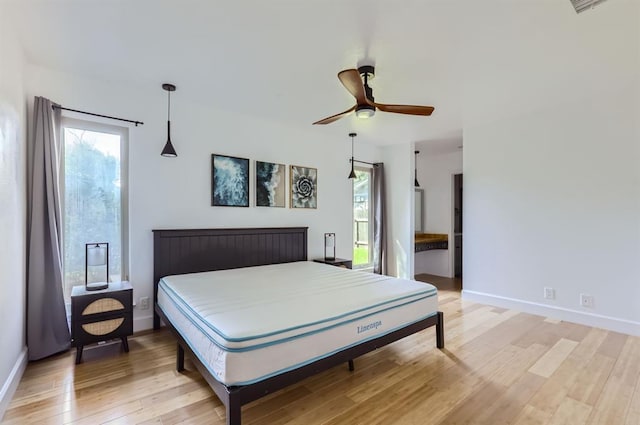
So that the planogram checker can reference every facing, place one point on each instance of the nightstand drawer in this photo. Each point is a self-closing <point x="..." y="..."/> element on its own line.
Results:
<point x="100" y="327"/>
<point x="103" y="304"/>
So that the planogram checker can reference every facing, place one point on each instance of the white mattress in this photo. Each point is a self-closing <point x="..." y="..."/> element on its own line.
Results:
<point x="248" y="324"/>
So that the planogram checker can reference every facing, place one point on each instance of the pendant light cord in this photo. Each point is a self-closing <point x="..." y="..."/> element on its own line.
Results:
<point x="169" y="106"/>
<point x="415" y="169"/>
<point x="351" y="149"/>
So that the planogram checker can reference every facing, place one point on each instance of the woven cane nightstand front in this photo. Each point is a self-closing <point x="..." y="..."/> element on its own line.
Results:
<point x="101" y="315"/>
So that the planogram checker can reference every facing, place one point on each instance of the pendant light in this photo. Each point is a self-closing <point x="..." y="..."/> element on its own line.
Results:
<point x="352" y="174"/>
<point x="169" y="150"/>
<point x="415" y="164"/>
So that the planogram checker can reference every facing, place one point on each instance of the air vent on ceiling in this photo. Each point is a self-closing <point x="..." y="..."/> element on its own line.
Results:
<point x="582" y="5"/>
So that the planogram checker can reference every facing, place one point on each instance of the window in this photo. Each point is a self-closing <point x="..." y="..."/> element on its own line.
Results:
<point x="94" y="197"/>
<point x="362" y="218"/>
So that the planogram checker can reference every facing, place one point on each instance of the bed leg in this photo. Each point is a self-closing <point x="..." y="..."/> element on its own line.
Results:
<point x="351" y="367"/>
<point x="234" y="411"/>
<point x="156" y="321"/>
<point x="440" y="331"/>
<point x="180" y="358"/>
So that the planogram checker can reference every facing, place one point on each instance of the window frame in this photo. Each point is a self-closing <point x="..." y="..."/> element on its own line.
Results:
<point x="123" y="133"/>
<point x="369" y="264"/>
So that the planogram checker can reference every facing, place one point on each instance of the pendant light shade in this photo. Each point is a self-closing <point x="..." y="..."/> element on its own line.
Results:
<point x="415" y="168"/>
<point x="169" y="150"/>
<point x="352" y="174"/>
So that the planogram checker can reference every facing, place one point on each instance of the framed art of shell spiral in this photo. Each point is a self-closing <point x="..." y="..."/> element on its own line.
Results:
<point x="304" y="187"/>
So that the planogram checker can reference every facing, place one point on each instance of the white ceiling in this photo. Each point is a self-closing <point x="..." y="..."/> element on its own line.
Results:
<point x="278" y="59"/>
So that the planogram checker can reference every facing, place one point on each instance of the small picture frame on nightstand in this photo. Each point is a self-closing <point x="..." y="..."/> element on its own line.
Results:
<point x="329" y="246"/>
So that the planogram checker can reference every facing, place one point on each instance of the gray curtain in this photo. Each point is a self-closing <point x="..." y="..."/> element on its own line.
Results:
<point x="47" y="328"/>
<point x="379" y="221"/>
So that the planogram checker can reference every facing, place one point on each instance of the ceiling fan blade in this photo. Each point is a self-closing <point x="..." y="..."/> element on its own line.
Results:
<point x="350" y="79"/>
<point x="405" y="109"/>
<point x="336" y="117"/>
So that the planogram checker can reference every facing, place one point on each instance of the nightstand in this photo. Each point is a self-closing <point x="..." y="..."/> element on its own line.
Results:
<point x="338" y="262"/>
<point x="101" y="315"/>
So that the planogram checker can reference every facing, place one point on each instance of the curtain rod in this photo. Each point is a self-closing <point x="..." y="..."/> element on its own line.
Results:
<point x="375" y="164"/>
<point x="96" y="115"/>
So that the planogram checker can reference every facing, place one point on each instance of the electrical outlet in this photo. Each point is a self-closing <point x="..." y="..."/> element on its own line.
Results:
<point x="586" y="300"/>
<point x="549" y="293"/>
<point x="144" y="303"/>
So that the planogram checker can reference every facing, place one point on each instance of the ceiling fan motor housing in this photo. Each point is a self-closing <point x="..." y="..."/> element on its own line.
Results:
<point x="368" y="70"/>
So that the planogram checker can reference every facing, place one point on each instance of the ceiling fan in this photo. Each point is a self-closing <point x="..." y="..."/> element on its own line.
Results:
<point x="356" y="81"/>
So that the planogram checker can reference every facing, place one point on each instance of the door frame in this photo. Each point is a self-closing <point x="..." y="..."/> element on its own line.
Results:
<point x="452" y="235"/>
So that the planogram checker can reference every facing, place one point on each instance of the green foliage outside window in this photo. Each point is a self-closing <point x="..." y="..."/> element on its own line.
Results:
<point x="92" y="201"/>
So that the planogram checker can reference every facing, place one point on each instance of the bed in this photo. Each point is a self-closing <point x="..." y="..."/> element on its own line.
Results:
<point x="238" y="338"/>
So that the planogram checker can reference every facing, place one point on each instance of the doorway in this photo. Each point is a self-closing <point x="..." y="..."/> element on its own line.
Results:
<point x="457" y="225"/>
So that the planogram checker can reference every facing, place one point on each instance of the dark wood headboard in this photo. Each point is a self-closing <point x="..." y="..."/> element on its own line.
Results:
<point x="180" y="251"/>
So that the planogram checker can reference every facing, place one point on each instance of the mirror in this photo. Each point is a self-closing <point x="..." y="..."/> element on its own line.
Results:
<point x="419" y="207"/>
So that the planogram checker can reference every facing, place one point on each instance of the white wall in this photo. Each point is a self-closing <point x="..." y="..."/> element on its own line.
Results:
<point x="175" y="192"/>
<point x="435" y="175"/>
<point x="12" y="214"/>
<point x="398" y="164"/>
<point x="558" y="208"/>
<point x="552" y="195"/>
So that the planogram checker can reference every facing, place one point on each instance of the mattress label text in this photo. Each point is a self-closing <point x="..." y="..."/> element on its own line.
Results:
<point x="372" y="325"/>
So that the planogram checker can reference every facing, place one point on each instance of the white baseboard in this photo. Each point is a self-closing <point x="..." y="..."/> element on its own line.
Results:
<point x="11" y="384"/>
<point x="582" y="317"/>
<point x="142" y="323"/>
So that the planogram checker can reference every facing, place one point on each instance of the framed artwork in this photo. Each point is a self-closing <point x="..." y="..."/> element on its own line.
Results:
<point x="270" y="184"/>
<point x="304" y="187"/>
<point x="229" y="181"/>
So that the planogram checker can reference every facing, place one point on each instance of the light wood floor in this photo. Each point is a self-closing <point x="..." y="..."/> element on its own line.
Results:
<point x="499" y="367"/>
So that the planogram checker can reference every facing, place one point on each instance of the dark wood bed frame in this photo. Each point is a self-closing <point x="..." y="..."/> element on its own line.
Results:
<point x="198" y="250"/>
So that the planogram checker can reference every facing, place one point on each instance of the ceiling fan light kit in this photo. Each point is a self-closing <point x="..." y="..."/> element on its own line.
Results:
<point x="356" y="81"/>
<point x="365" y="111"/>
